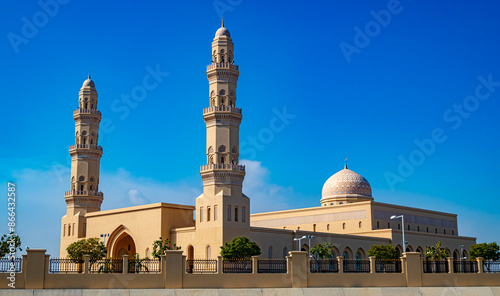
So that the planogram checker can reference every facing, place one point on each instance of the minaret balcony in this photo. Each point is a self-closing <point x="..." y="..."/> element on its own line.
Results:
<point x="219" y="166"/>
<point x="86" y="146"/>
<point x="83" y="193"/>
<point x="222" y="109"/>
<point x="86" y="111"/>
<point x="222" y="66"/>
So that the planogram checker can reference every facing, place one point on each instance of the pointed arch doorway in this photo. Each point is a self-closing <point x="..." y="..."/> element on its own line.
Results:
<point x="124" y="245"/>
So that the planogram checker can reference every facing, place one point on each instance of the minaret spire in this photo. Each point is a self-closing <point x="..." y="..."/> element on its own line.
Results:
<point x="222" y="22"/>
<point x="345" y="166"/>
<point x="89" y="74"/>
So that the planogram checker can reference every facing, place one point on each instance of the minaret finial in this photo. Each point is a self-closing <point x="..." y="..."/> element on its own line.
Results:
<point x="89" y="74"/>
<point x="345" y="166"/>
<point x="222" y="22"/>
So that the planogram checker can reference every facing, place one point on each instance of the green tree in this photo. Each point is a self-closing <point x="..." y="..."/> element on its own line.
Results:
<point x="487" y="251"/>
<point x="160" y="246"/>
<point x="5" y="244"/>
<point x="91" y="246"/>
<point x="239" y="248"/>
<point x="436" y="252"/>
<point x="323" y="251"/>
<point x="383" y="252"/>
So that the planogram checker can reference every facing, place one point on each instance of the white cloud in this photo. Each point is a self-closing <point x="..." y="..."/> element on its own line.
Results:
<point x="264" y="195"/>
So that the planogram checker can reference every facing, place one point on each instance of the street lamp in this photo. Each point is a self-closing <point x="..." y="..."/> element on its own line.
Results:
<point x="309" y="249"/>
<point x="299" y="239"/>
<point x="403" y="222"/>
<point x="462" y="252"/>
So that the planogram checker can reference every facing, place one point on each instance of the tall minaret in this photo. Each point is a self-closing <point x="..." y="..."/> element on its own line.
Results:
<point x="222" y="211"/>
<point x="84" y="195"/>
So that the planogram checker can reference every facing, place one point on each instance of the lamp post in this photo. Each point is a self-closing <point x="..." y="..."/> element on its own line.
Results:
<point x="402" y="222"/>
<point x="299" y="239"/>
<point x="461" y="252"/>
<point x="309" y="249"/>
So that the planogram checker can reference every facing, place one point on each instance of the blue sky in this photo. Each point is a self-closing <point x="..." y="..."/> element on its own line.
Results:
<point x="367" y="80"/>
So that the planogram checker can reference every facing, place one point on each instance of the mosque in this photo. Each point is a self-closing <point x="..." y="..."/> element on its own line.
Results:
<point x="348" y="215"/>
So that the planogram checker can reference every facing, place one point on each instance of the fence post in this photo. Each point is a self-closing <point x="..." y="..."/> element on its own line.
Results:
<point x="255" y="262"/>
<point x="450" y="265"/>
<point x="480" y="265"/>
<point x="413" y="269"/>
<point x="125" y="264"/>
<point x="174" y="266"/>
<point x="372" y="264"/>
<point x="299" y="269"/>
<point x="340" y="261"/>
<point x="220" y="264"/>
<point x="86" y="263"/>
<point x="34" y="276"/>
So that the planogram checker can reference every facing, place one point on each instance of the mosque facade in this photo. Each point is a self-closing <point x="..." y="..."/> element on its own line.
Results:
<point x="348" y="215"/>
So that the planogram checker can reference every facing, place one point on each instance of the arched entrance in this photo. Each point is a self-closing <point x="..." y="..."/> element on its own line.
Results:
<point x="124" y="245"/>
<point x="190" y="253"/>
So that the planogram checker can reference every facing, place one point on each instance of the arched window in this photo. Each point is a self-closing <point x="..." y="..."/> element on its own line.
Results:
<point x="358" y="256"/>
<point x="222" y="102"/>
<point x="222" y="92"/>
<point x="388" y="225"/>
<point x="92" y="179"/>
<point x="359" y="224"/>
<point x="343" y="225"/>
<point x="216" y="215"/>
<point x="148" y="253"/>
<point x="444" y="231"/>
<point x="201" y="214"/>
<point x="452" y="232"/>
<point x="418" y="228"/>
<point x="208" y="214"/>
<point x="90" y="188"/>
<point x="209" y="252"/>
<point x="270" y="253"/>
<point x="231" y="103"/>
<point x="378" y="225"/>
<point x="222" y="160"/>
<point x="222" y="51"/>
<point x="328" y="227"/>
<point x="222" y="148"/>
<point x="228" y="212"/>
<point x="399" y="226"/>
<point x="427" y="229"/>
<point x="243" y="214"/>
<point x="69" y="230"/>
<point x="91" y="141"/>
<point x="285" y="252"/>
<point x="84" y="133"/>
<point x="436" y="230"/>
<point x="210" y="150"/>
<point x="235" y="213"/>
<point x="234" y="149"/>
<point x="409" y="227"/>
<point x="212" y="94"/>
<point x="81" y="179"/>
<point x="314" y="227"/>
<point x="231" y="93"/>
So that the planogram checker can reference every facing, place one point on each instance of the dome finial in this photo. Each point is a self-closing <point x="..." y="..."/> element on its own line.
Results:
<point x="345" y="166"/>
<point x="222" y="23"/>
<point x="89" y="74"/>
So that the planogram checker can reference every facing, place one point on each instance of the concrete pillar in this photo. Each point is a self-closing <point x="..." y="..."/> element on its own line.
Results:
<point x="163" y="265"/>
<point x="340" y="261"/>
<point x="299" y="270"/>
<point x="372" y="264"/>
<point x="480" y="265"/>
<point x="86" y="264"/>
<point x="450" y="264"/>
<point x="413" y="269"/>
<point x="125" y="264"/>
<point x="255" y="262"/>
<point x="174" y="269"/>
<point x="36" y="269"/>
<point x="220" y="264"/>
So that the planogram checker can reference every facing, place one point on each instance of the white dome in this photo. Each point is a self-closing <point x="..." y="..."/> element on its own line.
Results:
<point x="222" y="32"/>
<point x="346" y="183"/>
<point x="88" y="82"/>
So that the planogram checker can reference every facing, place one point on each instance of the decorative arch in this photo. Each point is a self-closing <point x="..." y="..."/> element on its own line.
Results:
<point x="399" y="249"/>
<point x="465" y="254"/>
<point x="360" y="253"/>
<point x="409" y="249"/>
<point x="420" y="250"/>
<point x="305" y="248"/>
<point x="222" y="92"/>
<point x="347" y="254"/>
<point x="212" y="94"/>
<point x="222" y="149"/>
<point x="118" y="243"/>
<point x="456" y="255"/>
<point x="285" y="252"/>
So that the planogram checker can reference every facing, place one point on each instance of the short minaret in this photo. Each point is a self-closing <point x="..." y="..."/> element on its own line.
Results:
<point x="84" y="195"/>
<point x="222" y="211"/>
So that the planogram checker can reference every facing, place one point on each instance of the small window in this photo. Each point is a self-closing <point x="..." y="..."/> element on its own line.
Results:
<point x="343" y="225"/>
<point x="69" y="230"/>
<point x="389" y="225"/>
<point x="215" y="213"/>
<point x="201" y="214"/>
<point x="314" y="227"/>
<point x="444" y="231"/>
<point x="453" y="232"/>
<point x="208" y="214"/>
<point x="270" y="253"/>
<point x="427" y="229"/>
<point x="236" y="214"/>
<point x="81" y="179"/>
<point x="408" y="227"/>
<point x="399" y="226"/>
<point x="378" y="224"/>
<point x="243" y="214"/>
<point x="418" y="228"/>
<point x="436" y="230"/>
<point x="298" y="228"/>
<point x="64" y="230"/>
<point x="228" y="213"/>
<point x="84" y="133"/>
<point x="222" y="92"/>
<point x="222" y="148"/>
<point x="359" y="224"/>
<point x="328" y="227"/>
